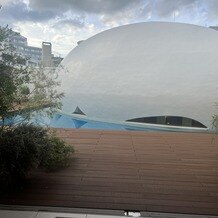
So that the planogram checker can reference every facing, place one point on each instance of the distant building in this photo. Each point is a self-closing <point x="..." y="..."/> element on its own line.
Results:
<point x="56" y="60"/>
<point x="214" y="27"/>
<point x="33" y="54"/>
<point x="47" y="54"/>
<point x="48" y="59"/>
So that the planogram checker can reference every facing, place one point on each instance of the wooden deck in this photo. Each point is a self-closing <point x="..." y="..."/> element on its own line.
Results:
<point x="126" y="170"/>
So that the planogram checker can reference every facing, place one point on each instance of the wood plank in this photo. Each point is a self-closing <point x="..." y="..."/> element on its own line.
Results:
<point x="127" y="170"/>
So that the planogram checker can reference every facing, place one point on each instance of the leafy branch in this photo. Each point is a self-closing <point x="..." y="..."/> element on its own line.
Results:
<point x="21" y="87"/>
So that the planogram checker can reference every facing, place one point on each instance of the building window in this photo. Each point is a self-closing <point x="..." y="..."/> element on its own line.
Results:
<point x="169" y="120"/>
<point x="174" y="121"/>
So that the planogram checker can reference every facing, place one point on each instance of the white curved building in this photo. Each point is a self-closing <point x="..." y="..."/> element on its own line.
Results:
<point x="165" y="74"/>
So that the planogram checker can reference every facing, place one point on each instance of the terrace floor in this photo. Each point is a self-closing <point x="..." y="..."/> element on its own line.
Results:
<point x="128" y="170"/>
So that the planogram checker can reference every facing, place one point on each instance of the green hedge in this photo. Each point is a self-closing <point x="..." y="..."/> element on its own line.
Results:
<point x="26" y="147"/>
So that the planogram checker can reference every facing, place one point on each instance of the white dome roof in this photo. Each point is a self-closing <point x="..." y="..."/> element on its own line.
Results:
<point x="142" y="70"/>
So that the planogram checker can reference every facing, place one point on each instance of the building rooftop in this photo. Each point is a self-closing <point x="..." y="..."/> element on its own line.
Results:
<point x="130" y="170"/>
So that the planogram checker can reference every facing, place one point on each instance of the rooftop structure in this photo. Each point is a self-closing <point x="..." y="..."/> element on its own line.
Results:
<point x="47" y="54"/>
<point x="148" y="74"/>
<point x="79" y="42"/>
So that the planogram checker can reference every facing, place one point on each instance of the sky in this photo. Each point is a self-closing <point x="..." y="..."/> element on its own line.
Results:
<point x="64" y="22"/>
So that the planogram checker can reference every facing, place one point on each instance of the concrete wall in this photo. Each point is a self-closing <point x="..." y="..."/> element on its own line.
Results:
<point x="46" y="54"/>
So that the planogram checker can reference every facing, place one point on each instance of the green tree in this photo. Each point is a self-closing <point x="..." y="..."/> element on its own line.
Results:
<point x="24" y="146"/>
<point x="23" y="88"/>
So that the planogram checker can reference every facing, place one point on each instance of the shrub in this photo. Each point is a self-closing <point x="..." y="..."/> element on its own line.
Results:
<point x="56" y="154"/>
<point x="22" y="90"/>
<point x="25" y="147"/>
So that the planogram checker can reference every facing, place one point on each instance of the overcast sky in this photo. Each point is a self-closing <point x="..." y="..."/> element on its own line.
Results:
<point x="64" y="22"/>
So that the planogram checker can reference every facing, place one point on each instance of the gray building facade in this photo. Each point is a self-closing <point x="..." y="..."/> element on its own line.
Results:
<point x="35" y="56"/>
<point x="32" y="54"/>
<point x="47" y="54"/>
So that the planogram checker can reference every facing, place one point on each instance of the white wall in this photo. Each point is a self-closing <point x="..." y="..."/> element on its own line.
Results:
<point x="146" y="69"/>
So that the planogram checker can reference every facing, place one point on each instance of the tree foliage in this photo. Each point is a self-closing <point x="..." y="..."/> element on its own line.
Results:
<point x="26" y="147"/>
<point x="23" y="88"/>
